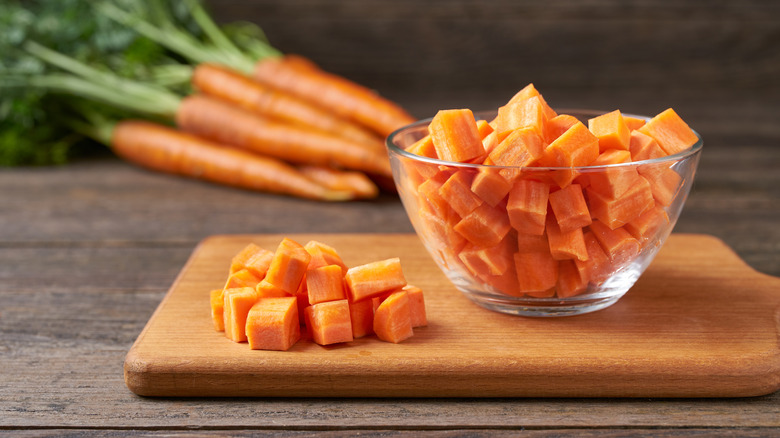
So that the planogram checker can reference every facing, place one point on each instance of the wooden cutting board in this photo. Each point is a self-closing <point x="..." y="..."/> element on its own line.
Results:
<point x="699" y="323"/>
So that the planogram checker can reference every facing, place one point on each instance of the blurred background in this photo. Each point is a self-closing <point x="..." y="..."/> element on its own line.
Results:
<point x="717" y="63"/>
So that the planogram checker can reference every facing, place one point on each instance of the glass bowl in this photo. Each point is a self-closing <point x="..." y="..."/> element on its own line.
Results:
<point x="491" y="249"/>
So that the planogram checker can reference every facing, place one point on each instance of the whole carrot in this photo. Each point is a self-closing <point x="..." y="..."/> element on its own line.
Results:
<point x="240" y="89"/>
<point x="302" y="78"/>
<point x="165" y="149"/>
<point x="225" y="123"/>
<point x="355" y="182"/>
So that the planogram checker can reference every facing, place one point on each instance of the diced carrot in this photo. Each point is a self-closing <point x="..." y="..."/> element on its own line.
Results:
<point x="619" y="245"/>
<point x="329" y="322"/>
<point x="527" y="206"/>
<point x="372" y="279"/>
<point x="242" y="278"/>
<point x="217" y="309"/>
<point x="633" y="123"/>
<point x="361" y="315"/>
<point x="526" y="113"/>
<point x="288" y="265"/>
<point x="484" y="129"/>
<point x="611" y="130"/>
<point x="238" y="262"/>
<point x="532" y="243"/>
<point x="647" y="224"/>
<point x="506" y="283"/>
<point x="612" y="156"/>
<point x="484" y="226"/>
<point x="570" y="209"/>
<point x="613" y="182"/>
<point x="558" y="125"/>
<point x="493" y="260"/>
<point x="325" y="283"/>
<point x="323" y="255"/>
<point x="528" y="92"/>
<point x="597" y="267"/>
<point x="429" y="196"/>
<point x="392" y="319"/>
<point x="617" y="212"/>
<point x="565" y="245"/>
<point x="455" y="136"/>
<point x="302" y="299"/>
<point x="549" y="293"/>
<point x="521" y="148"/>
<point x="416" y="305"/>
<point x="490" y="186"/>
<point x="457" y="192"/>
<point x="664" y="181"/>
<point x="670" y="131"/>
<point x="491" y="141"/>
<point x="259" y="262"/>
<point x="644" y="147"/>
<point x="237" y="303"/>
<point x="265" y="289"/>
<point x="574" y="148"/>
<point x="536" y="271"/>
<point x="273" y="324"/>
<point x="423" y="147"/>
<point x="570" y="283"/>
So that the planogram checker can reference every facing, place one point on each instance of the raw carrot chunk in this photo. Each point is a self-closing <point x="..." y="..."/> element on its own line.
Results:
<point x="565" y="245"/>
<point x="558" y="125"/>
<point x="570" y="282"/>
<point x="431" y="199"/>
<point x="217" y="309"/>
<point x="238" y="262"/>
<point x="611" y="130"/>
<point x="325" y="284"/>
<point x="457" y="192"/>
<point x="490" y="186"/>
<point x="670" y="131"/>
<point x="644" y="147"/>
<point x="647" y="224"/>
<point x="575" y="147"/>
<point x="273" y="324"/>
<point x="493" y="260"/>
<point x="361" y="315"/>
<point x="259" y="262"/>
<point x="242" y="278"/>
<point x="237" y="303"/>
<point x="521" y="148"/>
<point x="485" y="226"/>
<point x="525" y="113"/>
<point x="288" y="265"/>
<point x="570" y="209"/>
<point x="329" y="322"/>
<point x="597" y="267"/>
<point x="416" y="305"/>
<point x="527" y="206"/>
<point x="536" y="271"/>
<point x="455" y="136"/>
<point x="373" y="279"/>
<point x="664" y="181"/>
<point x="392" y="319"/>
<point x="618" y="244"/>
<point x="633" y="123"/>
<point x="302" y="299"/>
<point x="528" y="92"/>
<point x="613" y="182"/>
<point x="616" y="212"/>
<point x="532" y="243"/>
<point x="322" y="255"/>
<point x="423" y="147"/>
<point x="265" y="289"/>
<point x="484" y="129"/>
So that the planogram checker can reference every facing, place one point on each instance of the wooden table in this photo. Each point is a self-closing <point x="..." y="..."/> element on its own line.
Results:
<point x="87" y="251"/>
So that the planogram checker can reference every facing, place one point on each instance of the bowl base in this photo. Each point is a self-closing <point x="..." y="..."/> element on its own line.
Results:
<point x="541" y="307"/>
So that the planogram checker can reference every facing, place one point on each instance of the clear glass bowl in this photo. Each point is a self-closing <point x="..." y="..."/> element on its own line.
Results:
<point x="488" y="270"/>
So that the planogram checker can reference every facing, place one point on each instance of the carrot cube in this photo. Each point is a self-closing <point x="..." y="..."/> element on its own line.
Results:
<point x="423" y="147"/>
<point x="525" y="113"/>
<point x="322" y="255"/>
<point x="288" y="266"/>
<point x="570" y="209"/>
<point x="429" y="197"/>
<point x="325" y="283"/>
<point x="611" y="130"/>
<point x="647" y="224"/>
<point x="237" y="302"/>
<point x="598" y="266"/>
<point x="238" y="262"/>
<point x="664" y="182"/>
<point x="485" y="226"/>
<point x="361" y="315"/>
<point x="570" y="282"/>
<point x="329" y="322"/>
<point x="417" y="311"/>
<point x="643" y="147"/>
<point x="484" y="129"/>
<point x="527" y="206"/>
<point x="273" y="324"/>
<point x="217" y="309"/>
<point x="616" y="212"/>
<point x="528" y="92"/>
<point x="558" y="125"/>
<point x="565" y="245"/>
<point x="259" y="262"/>
<point x="393" y="319"/>
<point x="575" y="147"/>
<point x="532" y="243"/>
<point x="242" y="278"/>
<point x="619" y="245"/>
<point x="374" y="279"/>
<point x="265" y="289"/>
<point x="536" y="271"/>
<point x="670" y="131"/>
<point x="490" y="186"/>
<point x="457" y="192"/>
<point x="493" y="260"/>
<point x="633" y="123"/>
<point x="521" y="148"/>
<point x="455" y="136"/>
<point x="613" y="182"/>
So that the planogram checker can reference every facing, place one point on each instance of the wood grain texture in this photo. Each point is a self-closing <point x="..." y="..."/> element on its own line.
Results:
<point x="677" y="333"/>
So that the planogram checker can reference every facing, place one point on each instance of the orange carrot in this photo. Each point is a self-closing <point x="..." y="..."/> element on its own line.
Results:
<point x="485" y="225"/>
<point x="536" y="271"/>
<point x="670" y="131"/>
<point x="522" y="147"/>
<point x="356" y="183"/>
<point x="361" y="315"/>
<point x="613" y="182"/>
<point x="527" y="206"/>
<point x="570" y="282"/>
<point x="633" y="123"/>
<point x="618" y="244"/>
<point x="273" y="324"/>
<point x="458" y="194"/>
<point x="490" y="186"/>
<point x="164" y="149"/>
<point x="492" y="260"/>
<point x="325" y="284"/>
<point x="616" y="212"/>
<point x="455" y="136"/>
<point x="237" y="88"/>
<point x="218" y="309"/>
<point x="334" y="93"/>
<point x="528" y="92"/>
<point x="598" y="266"/>
<point x="238" y="262"/>
<point x="259" y="262"/>
<point x="237" y="302"/>
<point x="392" y="319"/>
<point x="570" y="209"/>
<point x="329" y="322"/>
<point x="644" y="147"/>
<point x="644" y="227"/>
<point x="224" y="123"/>
<point x="288" y="266"/>
<point x="664" y="181"/>
<point x="242" y="278"/>
<point x="323" y="255"/>
<point x="375" y="278"/>
<point x="611" y="130"/>
<point x="266" y="289"/>
<point x="524" y="113"/>
<point x="565" y="245"/>
<point x="416" y="305"/>
<point x="558" y="125"/>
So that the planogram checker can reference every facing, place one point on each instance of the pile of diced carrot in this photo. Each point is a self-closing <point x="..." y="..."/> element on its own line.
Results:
<point x="545" y="232"/>
<point x="269" y="295"/>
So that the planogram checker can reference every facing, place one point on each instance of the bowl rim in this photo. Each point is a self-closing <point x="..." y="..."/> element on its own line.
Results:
<point x="483" y="115"/>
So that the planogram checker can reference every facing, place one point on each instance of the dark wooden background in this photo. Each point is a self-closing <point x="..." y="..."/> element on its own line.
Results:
<point x="88" y="250"/>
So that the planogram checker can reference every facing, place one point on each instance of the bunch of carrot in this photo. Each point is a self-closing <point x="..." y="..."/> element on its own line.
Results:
<point x="269" y="295"/>
<point x="543" y="219"/>
<point x="259" y="120"/>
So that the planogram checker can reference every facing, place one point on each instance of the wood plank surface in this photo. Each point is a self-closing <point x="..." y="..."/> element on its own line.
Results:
<point x="678" y="333"/>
